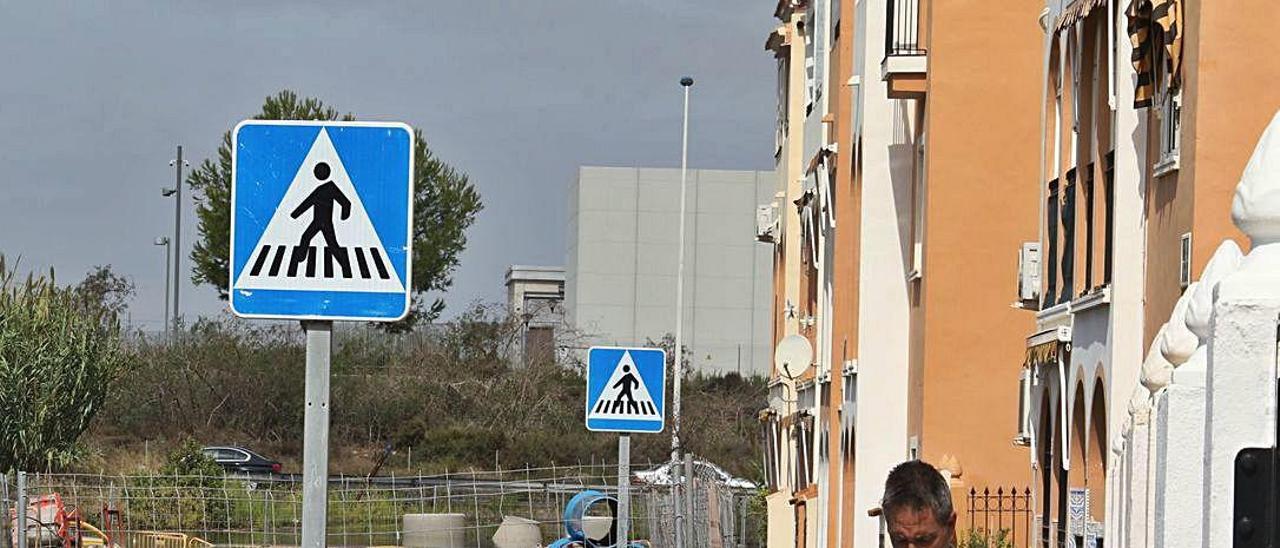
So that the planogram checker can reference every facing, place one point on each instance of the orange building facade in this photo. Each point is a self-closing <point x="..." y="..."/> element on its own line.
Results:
<point x="906" y="140"/>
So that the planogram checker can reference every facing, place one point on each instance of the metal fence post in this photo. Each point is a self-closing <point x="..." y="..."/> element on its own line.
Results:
<point x="689" y="539"/>
<point x="21" y="522"/>
<point x="5" y="539"/>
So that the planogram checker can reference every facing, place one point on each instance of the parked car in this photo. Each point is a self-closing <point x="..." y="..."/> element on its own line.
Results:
<point x="239" y="459"/>
<point x="667" y="474"/>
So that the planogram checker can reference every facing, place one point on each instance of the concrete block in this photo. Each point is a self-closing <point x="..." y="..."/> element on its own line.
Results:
<point x="517" y="532"/>
<point x="434" y="530"/>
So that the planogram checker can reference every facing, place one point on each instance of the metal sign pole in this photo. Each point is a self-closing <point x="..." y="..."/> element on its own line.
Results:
<point x="22" y="520"/>
<point x="624" y="490"/>
<point x="315" y="433"/>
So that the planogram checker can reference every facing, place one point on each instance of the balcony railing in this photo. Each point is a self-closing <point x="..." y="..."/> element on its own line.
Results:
<point x="902" y="28"/>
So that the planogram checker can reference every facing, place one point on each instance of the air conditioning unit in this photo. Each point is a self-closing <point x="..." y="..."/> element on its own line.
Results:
<point x="1029" y="272"/>
<point x="767" y="223"/>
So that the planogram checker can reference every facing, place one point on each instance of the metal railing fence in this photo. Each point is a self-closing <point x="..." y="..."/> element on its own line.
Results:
<point x="150" y="509"/>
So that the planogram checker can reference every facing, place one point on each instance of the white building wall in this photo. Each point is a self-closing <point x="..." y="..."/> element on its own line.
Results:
<point x="883" y="344"/>
<point x="621" y="270"/>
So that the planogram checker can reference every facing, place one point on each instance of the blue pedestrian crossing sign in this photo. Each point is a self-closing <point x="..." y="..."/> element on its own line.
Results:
<point x="321" y="220"/>
<point x="626" y="389"/>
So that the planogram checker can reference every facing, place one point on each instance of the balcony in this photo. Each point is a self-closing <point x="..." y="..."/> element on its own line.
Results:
<point x="906" y="60"/>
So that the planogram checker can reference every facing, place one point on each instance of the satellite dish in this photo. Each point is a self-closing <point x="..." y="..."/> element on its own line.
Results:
<point x="793" y="356"/>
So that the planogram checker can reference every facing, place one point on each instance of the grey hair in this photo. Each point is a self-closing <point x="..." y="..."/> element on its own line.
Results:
<point x="917" y="485"/>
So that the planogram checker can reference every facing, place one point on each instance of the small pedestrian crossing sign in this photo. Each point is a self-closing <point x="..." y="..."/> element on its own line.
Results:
<point x="626" y="389"/>
<point x="321" y="220"/>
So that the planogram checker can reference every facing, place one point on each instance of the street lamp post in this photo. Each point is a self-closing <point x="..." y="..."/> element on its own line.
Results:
<point x="164" y="241"/>
<point x="176" y="192"/>
<point x="678" y="369"/>
<point x="682" y="516"/>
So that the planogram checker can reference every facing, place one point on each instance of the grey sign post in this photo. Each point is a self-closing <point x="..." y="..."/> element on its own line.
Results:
<point x="315" y="433"/>
<point x="304" y="247"/>
<point x="624" y="490"/>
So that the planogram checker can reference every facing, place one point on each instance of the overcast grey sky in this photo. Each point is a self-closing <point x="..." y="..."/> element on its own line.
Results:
<point x="94" y="96"/>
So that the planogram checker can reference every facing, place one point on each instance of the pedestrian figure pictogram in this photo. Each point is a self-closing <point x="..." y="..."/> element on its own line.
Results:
<point x="320" y="202"/>
<point x="624" y="400"/>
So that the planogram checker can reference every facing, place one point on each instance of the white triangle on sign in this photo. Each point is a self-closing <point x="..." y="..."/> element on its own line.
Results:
<point x="614" y="402"/>
<point x="281" y="260"/>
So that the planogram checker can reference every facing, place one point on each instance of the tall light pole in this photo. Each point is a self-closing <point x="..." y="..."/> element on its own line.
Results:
<point x="678" y="369"/>
<point x="176" y="192"/>
<point x="164" y="241"/>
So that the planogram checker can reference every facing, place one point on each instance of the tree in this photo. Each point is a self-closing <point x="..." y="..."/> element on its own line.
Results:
<point x="445" y="204"/>
<point x="59" y="354"/>
<point x="103" y="288"/>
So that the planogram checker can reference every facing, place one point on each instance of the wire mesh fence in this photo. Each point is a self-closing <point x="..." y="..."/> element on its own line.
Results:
<point x="240" y="510"/>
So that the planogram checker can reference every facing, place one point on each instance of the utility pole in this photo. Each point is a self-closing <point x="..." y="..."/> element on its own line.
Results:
<point x="176" y="192"/>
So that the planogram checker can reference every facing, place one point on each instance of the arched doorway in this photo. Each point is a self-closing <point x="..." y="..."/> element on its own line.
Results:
<point x="1096" y="454"/>
<point x="1077" y="481"/>
<point x="1046" y="463"/>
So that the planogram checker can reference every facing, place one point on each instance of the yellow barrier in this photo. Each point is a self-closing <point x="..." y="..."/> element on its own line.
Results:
<point x="157" y="539"/>
<point x="95" y="536"/>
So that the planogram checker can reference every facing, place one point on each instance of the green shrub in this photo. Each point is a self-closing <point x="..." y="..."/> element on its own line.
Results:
<point x="60" y="352"/>
<point x="185" y="495"/>
<point x="981" y="538"/>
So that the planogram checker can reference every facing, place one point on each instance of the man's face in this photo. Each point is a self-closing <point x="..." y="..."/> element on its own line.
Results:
<point x="918" y="528"/>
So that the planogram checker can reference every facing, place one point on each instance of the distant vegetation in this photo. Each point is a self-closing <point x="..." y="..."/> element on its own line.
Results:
<point x="451" y="396"/>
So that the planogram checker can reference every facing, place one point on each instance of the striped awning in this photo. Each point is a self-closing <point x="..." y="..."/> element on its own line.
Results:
<point x="1043" y="354"/>
<point x="1075" y="12"/>
<point x="1145" y="16"/>
<point x="1045" y="348"/>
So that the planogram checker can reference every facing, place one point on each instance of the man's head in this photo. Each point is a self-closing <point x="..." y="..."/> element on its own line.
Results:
<point x="917" y="507"/>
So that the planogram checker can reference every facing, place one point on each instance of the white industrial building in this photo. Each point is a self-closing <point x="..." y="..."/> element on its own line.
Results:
<point x="620" y="274"/>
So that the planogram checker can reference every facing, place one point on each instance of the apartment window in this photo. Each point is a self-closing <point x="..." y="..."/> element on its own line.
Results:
<point x="772" y="444"/>
<point x="804" y="451"/>
<point x="780" y="127"/>
<point x="1051" y="234"/>
<point x="1170" y="131"/>
<point x="1184" y="264"/>
<point x="848" y="409"/>
<point x="807" y="29"/>
<point x="1169" y="100"/>
<point x="1068" y="216"/>
<point x="1088" y="229"/>
<point x="1108" y="181"/>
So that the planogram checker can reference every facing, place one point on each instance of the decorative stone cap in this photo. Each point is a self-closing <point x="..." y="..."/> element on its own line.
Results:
<point x="1256" y="207"/>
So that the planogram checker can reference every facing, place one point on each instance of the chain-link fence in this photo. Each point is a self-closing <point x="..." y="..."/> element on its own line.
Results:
<point x="159" y="510"/>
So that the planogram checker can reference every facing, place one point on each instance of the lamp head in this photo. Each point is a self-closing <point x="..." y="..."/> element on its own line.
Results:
<point x="686" y="81"/>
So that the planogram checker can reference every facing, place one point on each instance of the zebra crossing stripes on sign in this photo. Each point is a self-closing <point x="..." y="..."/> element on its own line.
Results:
<point x="321" y="220"/>
<point x="626" y="389"/>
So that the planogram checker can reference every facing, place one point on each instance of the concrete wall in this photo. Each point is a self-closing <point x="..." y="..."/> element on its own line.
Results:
<point x="621" y="271"/>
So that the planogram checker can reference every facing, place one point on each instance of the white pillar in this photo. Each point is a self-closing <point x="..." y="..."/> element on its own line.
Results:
<point x="1139" y="453"/>
<point x="1241" y="380"/>
<point x="1241" y="402"/>
<point x="1180" y="463"/>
